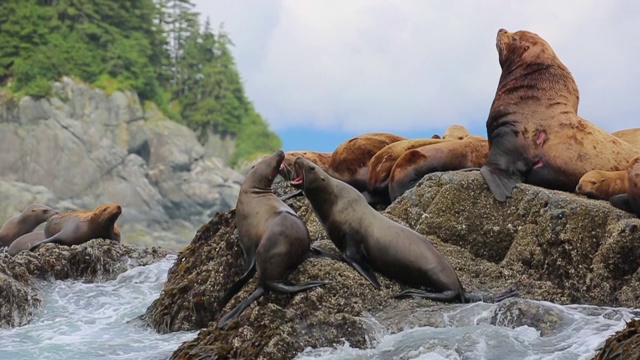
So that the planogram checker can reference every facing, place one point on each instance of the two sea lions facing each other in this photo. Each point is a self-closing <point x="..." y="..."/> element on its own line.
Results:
<point x="18" y="225"/>
<point x="274" y="240"/>
<point x="630" y="201"/>
<point x="598" y="184"/>
<point x="535" y="134"/>
<point x="370" y="242"/>
<point x="413" y="165"/>
<point x="78" y="227"/>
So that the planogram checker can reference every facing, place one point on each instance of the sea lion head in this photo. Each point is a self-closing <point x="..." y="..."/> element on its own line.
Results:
<point x="107" y="214"/>
<point x="590" y="183"/>
<point x="455" y="132"/>
<point x="522" y="47"/>
<point x="263" y="173"/>
<point x="39" y="212"/>
<point x="308" y="175"/>
<point x="286" y="168"/>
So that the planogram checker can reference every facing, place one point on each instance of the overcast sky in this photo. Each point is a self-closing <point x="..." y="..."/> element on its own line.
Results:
<point x="322" y="71"/>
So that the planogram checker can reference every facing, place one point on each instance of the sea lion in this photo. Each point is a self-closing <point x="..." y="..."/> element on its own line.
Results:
<point x="597" y="184"/>
<point x="535" y="134"/>
<point x="78" y="227"/>
<point x="370" y="241"/>
<point x="630" y="201"/>
<point x="32" y="216"/>
<point x="350" y="160"/>
<point x="632" y="136"/>
<point x="25" y="241"/>
<point x="456" y="132"/>
<point x="413" y="165"/>
<point x="273" y="238"/>
<point x="321" y="159"/>
<point x="382" y="162"/>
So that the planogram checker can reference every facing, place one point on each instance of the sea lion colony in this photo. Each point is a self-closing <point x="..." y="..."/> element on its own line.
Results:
<point x="534" y="135"/>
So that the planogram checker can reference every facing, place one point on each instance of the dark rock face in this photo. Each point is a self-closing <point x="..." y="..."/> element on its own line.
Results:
<point x="95" y="261"/>
<point x="552" y="246"/>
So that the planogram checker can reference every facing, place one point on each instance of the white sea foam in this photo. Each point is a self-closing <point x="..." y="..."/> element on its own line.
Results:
<point x="90" y="321"/>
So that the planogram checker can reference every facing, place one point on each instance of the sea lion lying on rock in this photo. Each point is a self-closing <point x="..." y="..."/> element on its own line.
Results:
<point x="32" y="216"/>
<point x="535" y="134"/>
<point x="370" y="241"/>
<point x="597" y="184"/>
<point x="273" y="238"/>
<point x="630" y="201"/>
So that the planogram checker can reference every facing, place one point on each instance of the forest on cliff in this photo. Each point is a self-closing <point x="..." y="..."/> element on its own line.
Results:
<point x="160" y="48"/>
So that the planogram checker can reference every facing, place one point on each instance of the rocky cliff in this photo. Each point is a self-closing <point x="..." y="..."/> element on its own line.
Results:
<point x="550" y="245"/>
<point x="84" y="147"/>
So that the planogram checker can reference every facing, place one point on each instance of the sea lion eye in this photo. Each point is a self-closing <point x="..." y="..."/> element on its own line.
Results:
<point x="312" y="168"/>
<point x="526" y="48"/>
<point x="593" y="182"/>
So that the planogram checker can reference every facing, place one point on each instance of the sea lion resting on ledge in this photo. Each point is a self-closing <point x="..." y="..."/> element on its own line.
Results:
<point x="630" y="201"/>
<point x="370" y="241"/>
<point x="632" y="136"/>
<point x="32" y="216"/>
<point x="597" y="184"/>
<point x="78" y="227"/>
<point x="535" y="134"/>
<point x="273" y="238"/>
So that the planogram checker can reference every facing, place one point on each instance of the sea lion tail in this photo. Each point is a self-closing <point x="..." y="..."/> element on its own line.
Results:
<point x="500" y="182"/>
<point x="241" y="307"/>
<point x="621" y="202"/>
<point x="469" y="298"/>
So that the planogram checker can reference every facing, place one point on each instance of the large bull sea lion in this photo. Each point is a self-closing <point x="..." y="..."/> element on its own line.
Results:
<point x="32" y="216"/>
<point x="273" y="238"/>
<point x="535" y="134"/>
<point x="370" y="241"/>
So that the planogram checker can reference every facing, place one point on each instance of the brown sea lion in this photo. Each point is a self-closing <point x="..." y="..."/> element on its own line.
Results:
<point x="272" y="236"/>
<point x="369" y="241"/>
<point x="535" y="134"/>
<point x="456" y="132"/>
<point x="413" y="165"/>
<point x="78" y="227"/>
<point x="350" y="160"/>
<point x="597" y="184"/>
<point x="25" y="241"/>
<point x="32" y="216"/>
<point x="382" y="162"/>
<point x="632" y="136"/>
<point x="630" y="201"/>
<point x="321" y="159"/>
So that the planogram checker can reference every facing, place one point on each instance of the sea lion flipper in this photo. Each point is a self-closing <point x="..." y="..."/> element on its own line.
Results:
<point x="499" y="181"/>
<point x="320" y="253"/>
<point x="621" y="202"/>
<point x="238" y="285"/>
<point x="292" y="289"/>
<point x="42" y="242"/>
<point x="291" y="196"/>
<point x="468" y="169"/>
<point x="364" y="269"/>
<point x="445" y="296"/>
<point x="240" y="308"/>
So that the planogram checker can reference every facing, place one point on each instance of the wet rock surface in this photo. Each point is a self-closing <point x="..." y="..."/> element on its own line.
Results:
<point x="95" y="261"/>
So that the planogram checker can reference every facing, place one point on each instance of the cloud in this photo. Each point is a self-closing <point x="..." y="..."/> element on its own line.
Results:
<point x="370" y="65"/>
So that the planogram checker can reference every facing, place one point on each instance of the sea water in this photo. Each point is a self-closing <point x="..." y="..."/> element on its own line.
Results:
<point x="93" y="321"/>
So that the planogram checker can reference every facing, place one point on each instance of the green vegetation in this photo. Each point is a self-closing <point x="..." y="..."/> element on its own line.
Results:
<point x="155" y="47"/>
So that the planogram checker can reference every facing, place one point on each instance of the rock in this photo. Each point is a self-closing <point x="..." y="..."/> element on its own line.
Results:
<point x="95" y="261"/>
<point x="550" y="245"/>
<point x="623" y="345"/>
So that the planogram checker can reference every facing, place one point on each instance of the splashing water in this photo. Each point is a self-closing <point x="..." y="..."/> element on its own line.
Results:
<point x="90" y="321"/>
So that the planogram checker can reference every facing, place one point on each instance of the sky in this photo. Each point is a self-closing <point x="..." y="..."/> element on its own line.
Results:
<point x="323" y="71"/>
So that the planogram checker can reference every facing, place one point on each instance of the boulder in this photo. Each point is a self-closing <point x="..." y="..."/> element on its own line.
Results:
<point x="550" y="245"/>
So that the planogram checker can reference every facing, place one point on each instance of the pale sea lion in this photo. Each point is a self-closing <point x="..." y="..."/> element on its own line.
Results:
<point x="370" y="241"/>
<point x="413" y="165"/>
<point x="25" y="241"/>
<point x="632" y="136"/>
<point x="273" y="238"/>
<point x="382" y="162"/>
<point x="32" y="216"/>
<point x="456" y="132"/>
<point x="78" y="227"/>
<point x="597" y="184"/>
<point x="535" y="134"/>
<point x="630" y="201"/>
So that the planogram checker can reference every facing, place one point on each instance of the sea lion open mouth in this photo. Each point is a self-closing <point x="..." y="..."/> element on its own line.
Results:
<point x="299" y="179"/>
